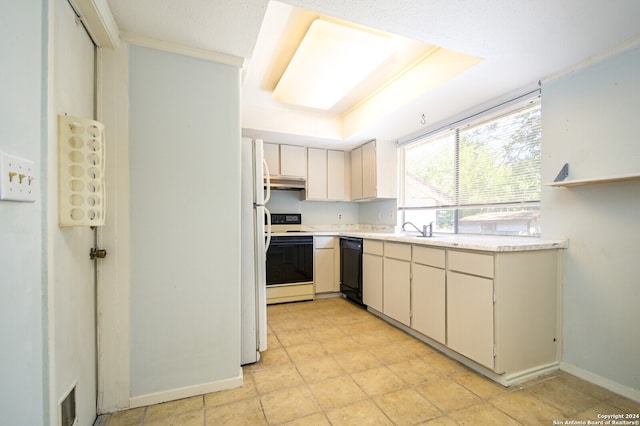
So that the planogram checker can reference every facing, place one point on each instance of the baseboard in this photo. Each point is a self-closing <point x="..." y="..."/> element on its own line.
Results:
<point x="328" y="295"/>
<point x="609" y="384"/>
<point x="186" y="392"/>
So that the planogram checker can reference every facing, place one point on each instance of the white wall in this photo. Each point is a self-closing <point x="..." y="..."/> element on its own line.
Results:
<point x="313" y="212"/>
<point x="590" y="120"/>
<point x="185" y="230"/>
<point x="22" y="284"/>
<point x="379" y="212"/>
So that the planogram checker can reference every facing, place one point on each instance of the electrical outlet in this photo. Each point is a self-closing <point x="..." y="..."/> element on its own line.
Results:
<point x="17" y="179"/>
<point x="339" y="216"/>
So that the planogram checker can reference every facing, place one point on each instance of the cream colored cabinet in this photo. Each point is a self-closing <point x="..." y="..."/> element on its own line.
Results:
<point x="502" y="308"/>
<point x="373" y="170"/>
<point x="286" y="160"/>
<point x="369" y="170"/>
<point x="470" y="306"/>
<point x="428" y="292"/>
<point x="470" y="317"/>
<point x="397" y="282"/>
<point x="356" y="173"/>
<point x="372" y="273"/>
<point x="293" y="161"/>
<point x="271" y="153"/>
<point x="324" y="266"/>
<point x="317" y="174"/>
<point x="325" y="175"/>
<point x="336" y="175"/>
<point x="498" y="310"/>
<point x="527" y="328"/>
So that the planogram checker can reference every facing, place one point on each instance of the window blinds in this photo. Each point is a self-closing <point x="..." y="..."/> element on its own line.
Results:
<point x="492" y="163"/>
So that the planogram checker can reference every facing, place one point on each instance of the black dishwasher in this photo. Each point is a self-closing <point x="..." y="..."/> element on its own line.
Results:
<point x="351" y="268"/>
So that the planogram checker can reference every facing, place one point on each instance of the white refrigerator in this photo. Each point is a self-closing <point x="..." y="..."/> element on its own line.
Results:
<point x="255" y="238"/>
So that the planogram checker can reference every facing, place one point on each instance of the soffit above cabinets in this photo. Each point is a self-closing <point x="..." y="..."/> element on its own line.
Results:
<point x="405" y="70"/>
<point x="519" y="44"/>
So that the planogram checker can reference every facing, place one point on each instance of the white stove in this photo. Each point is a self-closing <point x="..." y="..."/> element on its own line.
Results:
<point x="286" y="222"/>
<point x="289" y="260"/>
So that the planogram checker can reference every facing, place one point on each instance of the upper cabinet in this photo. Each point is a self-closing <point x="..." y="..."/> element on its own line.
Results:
<point x="271" y="153"/>
<point x="336" y="175"/>
<point x="293" y="160"/>
<point x="373" y="170"/>
<point x="326" y="175"/>
<point x="286" y="160"/>
<point x="366" y="173"/>
<point x="317" y="174"/>
<point x="356" y="174"/>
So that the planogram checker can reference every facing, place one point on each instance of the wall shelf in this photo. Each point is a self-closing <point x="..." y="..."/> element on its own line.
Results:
<point x="595" y="181"/>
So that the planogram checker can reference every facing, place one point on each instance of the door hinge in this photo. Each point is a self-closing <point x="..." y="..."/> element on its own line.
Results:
<point x="495" y="351"/>
<point x="494" y="298"/>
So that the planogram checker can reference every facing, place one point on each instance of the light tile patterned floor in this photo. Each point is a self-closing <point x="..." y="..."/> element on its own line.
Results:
<point x="330" y="362"/>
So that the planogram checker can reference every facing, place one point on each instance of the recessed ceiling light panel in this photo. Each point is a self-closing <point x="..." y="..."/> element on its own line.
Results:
<point x="331" y="60"/>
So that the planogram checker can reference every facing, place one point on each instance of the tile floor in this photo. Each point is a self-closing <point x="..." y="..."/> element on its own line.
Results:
<point x="330" y="362"/>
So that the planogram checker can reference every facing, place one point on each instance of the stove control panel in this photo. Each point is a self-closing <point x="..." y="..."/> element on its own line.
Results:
<point x="286" y="218"/>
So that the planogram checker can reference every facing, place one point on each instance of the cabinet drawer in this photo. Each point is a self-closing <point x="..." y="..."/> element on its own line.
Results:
<point x="324" y="242"/>
<point x="373" y="247"/>
<point x="397" y="251"/>
<point x="471" y="263"/>
<point x="428" y="256"/>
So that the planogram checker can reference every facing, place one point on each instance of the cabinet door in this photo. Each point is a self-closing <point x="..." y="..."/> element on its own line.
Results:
<point x="356" y="174"/>
<point x="372" y="281"/>
<point x="470" y="317"/>
<point x="324" y="271"/>
<point x="293" y="161"/>
<point x="316" y="174"/>
<point x="335" y="175"/>
<point x="369" y="170"/>
<point x="271" y="153"/>
<point x="397" y="290"/>
<point x="428" y="301"/>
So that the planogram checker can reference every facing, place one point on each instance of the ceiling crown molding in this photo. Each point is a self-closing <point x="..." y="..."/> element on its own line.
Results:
<point x="180" y="49"/>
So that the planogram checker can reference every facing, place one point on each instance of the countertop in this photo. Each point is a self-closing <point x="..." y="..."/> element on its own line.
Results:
<point x="468" y="242"/>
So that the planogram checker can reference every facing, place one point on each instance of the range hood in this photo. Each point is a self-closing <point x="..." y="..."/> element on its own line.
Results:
<point x="290" y="183"/>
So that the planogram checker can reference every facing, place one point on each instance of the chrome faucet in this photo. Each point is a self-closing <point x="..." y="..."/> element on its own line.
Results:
<point x="425" y="228"/>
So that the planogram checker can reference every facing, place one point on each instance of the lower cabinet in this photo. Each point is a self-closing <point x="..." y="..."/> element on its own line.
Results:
<point x="470" y="317"/>
<point x="324" y="269"/>
<point x="497" y="309"/>
<point x="397" y="282"/>
<point x="429" y="292"/>
<point x="372" y="274"/>
<point x="470" y="305"/>
<point x="428" y="302"/>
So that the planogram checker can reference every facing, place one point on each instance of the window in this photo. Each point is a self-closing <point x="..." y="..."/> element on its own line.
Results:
<point x="480" y="178"/>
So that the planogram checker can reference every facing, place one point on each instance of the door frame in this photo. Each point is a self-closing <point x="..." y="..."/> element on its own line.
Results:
<point x="99" y="23"/>
<point x="112" y="304"/>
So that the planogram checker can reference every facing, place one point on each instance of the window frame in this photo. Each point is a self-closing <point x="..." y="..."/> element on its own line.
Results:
<point x="456" y="127"/>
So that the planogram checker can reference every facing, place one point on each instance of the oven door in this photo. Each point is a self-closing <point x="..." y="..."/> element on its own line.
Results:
<point x="290" y="260"/>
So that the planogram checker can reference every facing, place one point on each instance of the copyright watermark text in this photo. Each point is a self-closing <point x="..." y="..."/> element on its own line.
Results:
<point x="632" y="419"/>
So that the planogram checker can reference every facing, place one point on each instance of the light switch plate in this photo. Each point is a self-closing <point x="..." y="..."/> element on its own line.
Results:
<point x="17" y="179"/>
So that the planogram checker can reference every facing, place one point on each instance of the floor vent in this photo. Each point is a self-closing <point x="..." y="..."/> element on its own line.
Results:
<point x="68" y="409"/>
